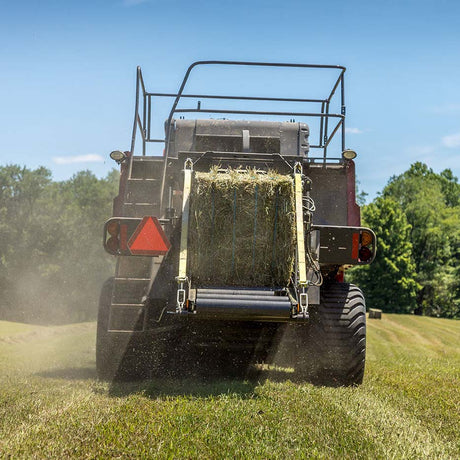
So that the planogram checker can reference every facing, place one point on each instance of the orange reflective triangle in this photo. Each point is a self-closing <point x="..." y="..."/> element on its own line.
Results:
<point x="149" y="238"/>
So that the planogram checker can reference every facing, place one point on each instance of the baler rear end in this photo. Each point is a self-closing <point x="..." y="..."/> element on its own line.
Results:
<point x="198" y="234"/>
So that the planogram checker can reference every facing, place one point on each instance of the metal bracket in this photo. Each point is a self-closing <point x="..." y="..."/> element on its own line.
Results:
<point x="246" y="141"/>
<point x="181" y="298"/>
<point x="303" y="302"/>
<point x="303" y="306"/>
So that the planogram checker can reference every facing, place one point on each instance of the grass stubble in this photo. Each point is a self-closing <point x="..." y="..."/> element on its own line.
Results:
<point x="53" y="406"/>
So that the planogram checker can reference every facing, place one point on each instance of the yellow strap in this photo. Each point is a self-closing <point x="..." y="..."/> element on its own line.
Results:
<point x="184" y="230"/>
<point x="302" y="281"/>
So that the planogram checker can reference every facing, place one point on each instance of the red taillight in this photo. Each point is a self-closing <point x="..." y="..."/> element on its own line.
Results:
<point x="112" y="244"/>
<point x="365" y="254"/>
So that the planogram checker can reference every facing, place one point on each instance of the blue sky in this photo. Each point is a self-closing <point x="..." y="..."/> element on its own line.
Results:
<point x="67" y="72"/>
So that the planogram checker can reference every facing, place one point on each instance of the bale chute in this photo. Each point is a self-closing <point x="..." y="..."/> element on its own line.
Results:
<point x="242" y="228"/>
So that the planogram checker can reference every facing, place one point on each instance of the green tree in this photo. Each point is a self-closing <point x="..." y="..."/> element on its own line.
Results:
<point x="52" y="263"/>
<point x="389" y="282"/>
<point x="20" y="190"/>
<point x="431" y="205"/>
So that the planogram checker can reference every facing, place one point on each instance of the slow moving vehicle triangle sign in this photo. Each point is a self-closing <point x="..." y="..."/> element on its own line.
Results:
<point x="149" y="238"/>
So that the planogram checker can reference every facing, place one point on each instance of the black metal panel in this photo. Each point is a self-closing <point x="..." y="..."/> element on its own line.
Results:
<point x="265" y="137"/>
<point x="126" y="318"/>
<point x="329" y="192"/>
<point x="130" y="290"/>
<point x="340" y="245"/>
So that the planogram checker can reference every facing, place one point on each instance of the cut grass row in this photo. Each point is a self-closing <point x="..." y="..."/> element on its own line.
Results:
<point x="52" y="405"/>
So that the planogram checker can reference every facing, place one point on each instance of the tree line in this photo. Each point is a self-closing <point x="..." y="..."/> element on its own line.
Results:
<point x="417" y="222"/>
<point x="52" y="264"/>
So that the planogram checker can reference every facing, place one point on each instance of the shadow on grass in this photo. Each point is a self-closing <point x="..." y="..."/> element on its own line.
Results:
<point x="70" y="373"/>
<point x="210" y="385"/>
<point x="204" y="385"/>
<point x="190" y="387"/>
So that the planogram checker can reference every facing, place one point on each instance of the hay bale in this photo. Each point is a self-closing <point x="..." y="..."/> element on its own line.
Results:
<point x="242" y="229"/>
<point x="375" y="313"/>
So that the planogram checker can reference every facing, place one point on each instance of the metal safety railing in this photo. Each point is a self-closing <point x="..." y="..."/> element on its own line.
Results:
<point x="143" y="120"/>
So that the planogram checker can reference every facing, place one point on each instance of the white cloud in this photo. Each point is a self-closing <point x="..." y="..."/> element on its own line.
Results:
<point x="91" y="158"/>
<point x="353" y="130"/>
<point x="451" y="141"/>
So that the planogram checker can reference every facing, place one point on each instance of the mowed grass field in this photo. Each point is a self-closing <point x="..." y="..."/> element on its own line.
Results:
<point x="53" y="406"/>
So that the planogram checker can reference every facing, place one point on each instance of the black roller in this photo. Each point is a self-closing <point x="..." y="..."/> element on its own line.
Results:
<point x="264" y="298"/>
<point x="242" y="304"/>
<point x="243" y="292"/>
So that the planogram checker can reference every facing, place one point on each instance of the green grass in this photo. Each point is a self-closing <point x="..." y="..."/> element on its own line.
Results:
<point x="52" y="405"/>
<point x="8" y="329"/>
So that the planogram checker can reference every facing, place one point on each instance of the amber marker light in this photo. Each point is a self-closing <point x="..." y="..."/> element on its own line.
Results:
<point x="118" y="156"/>
<point x="366" y="238"/>
<point x="349" y="154"/>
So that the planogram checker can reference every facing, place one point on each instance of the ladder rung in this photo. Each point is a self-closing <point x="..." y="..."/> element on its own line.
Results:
<point x="137" y="305"/>
<point x="123" y="278"/>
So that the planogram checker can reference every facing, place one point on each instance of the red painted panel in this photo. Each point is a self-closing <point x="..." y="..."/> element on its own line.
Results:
<point x="355" y="246"/>
<point x="354" y="215"/>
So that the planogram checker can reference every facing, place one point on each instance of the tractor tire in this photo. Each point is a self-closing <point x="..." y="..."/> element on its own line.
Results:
<point x="105" y="366"/>
<point x="334" y="343"/>
<point x="118" y="356"/>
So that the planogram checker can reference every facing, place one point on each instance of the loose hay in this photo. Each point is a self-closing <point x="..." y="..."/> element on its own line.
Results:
<point x="242" y="229"/>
